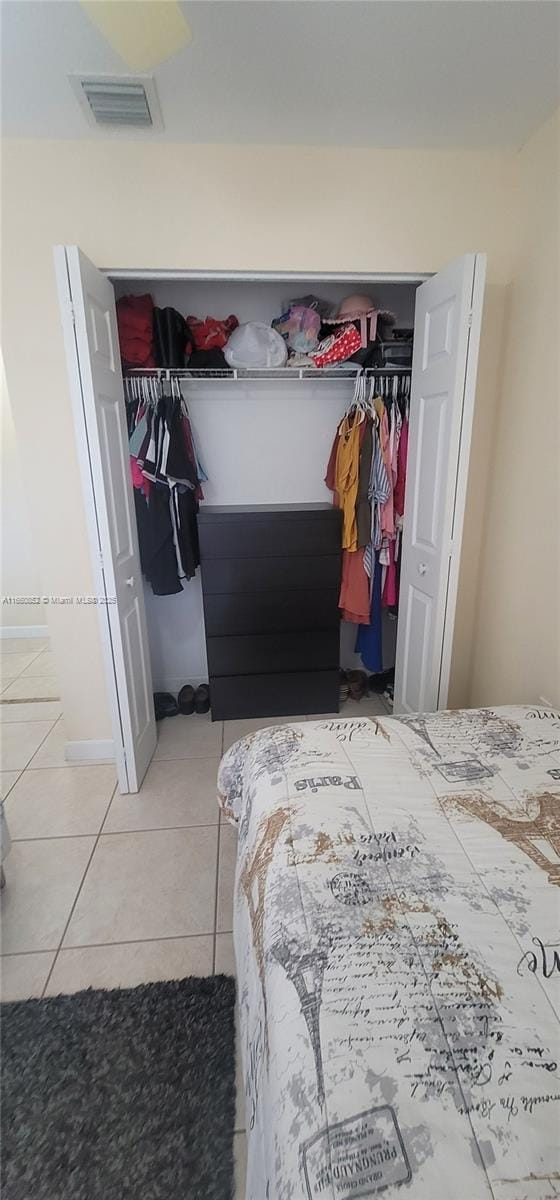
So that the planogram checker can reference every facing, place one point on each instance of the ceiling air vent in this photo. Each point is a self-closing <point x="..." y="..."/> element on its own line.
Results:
<point x="114" y="102"/>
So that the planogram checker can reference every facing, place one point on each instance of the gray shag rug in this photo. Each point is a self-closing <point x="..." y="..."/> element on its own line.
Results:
<point x="120" y="1095"/>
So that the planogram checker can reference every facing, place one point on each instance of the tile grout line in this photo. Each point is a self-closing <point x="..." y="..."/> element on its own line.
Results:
<point x="170" y="937"/>
<point x="13" y="678"/>
<point x="217" y="862"/>
<point x="12" y="785"/>
<point x="35" y="653"/>
<point x="32" y="720"/>
<point x="109" y="762"/>
<point x="76" y="897"/>
<point x="69" y="837"/>
<point x="38" y="747"/>
<point x="184" y="758"/>
<point x="216" y="896"/>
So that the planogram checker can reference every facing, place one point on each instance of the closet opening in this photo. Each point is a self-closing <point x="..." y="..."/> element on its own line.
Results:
<point x="264" y="438"/>
<point x="263" y="435"/>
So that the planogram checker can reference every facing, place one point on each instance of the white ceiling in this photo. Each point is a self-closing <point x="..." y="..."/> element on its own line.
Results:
<point x="402" y="73"/>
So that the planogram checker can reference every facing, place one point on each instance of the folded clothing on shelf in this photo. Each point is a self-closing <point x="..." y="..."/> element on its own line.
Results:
<point x="299" y="326"/>
<point x="208" y="360"/>
<point x="135" y="321"/>
<point x="210" y="333"/>
<point x="337" y="347"/>
<point x="173" y="339"/>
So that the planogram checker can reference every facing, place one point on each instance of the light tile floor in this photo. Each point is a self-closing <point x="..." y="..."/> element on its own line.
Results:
<point x="106" y="890"/>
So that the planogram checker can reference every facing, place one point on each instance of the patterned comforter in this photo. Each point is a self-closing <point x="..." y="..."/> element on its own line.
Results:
<point x="398" y="955"/>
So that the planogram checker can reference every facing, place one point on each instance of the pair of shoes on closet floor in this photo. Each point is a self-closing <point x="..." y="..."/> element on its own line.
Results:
<point x="188" y="701"/>
<point x="194" y="700"/>
<point x="353" y="685"/>
<point x="378" y="683"/>
<point x="165" y="705"/>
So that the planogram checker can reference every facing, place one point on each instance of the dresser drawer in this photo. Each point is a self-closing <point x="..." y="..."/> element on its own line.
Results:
<point x="271" y="612"/>
<point x="273" y="652"/>
<point x="274" y="695"/>
<point x="241" y="575"/>
<point x="270" y="537"/>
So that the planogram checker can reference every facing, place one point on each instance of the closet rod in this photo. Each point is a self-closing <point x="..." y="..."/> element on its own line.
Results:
<point x="263" y="373"/>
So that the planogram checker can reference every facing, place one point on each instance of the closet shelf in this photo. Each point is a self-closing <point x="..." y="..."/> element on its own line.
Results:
<point x="237" y="374"/>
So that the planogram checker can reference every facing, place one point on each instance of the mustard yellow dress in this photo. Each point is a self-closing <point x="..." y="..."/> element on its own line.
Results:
<point x="347" y="476"/>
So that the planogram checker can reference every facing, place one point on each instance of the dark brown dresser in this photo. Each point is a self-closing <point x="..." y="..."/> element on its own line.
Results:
<point x="270" y="580"/>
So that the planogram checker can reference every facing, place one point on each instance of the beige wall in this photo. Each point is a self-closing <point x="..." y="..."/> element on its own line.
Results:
<point x="19" y="567"/>
<point x="175" y="206"/>
<point x="517" y="642"/>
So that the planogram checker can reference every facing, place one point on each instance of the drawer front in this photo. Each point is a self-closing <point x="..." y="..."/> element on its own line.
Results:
<point x="270" y="538"/>
<point x="271" y="612"/>
<point x="240" y="575"/>
<point x="273" y="652"/>
<point x="291" y="694"/>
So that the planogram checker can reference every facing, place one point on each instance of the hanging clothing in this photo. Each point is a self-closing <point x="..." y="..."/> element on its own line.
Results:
<point x="379" y="490"/>
<point x="167" y="485"/>
<point x="395" y="437"/>
<point x="181" y="462"/>
<point x="363" y="504"/>
<point x="330" y="477"/>
<point x="400" y="486"/>
<point x="158" y="557"/>
<point x="386" y="515"/>
<point x="347" y="470"/>
<point x="184" y="509"/>
<point x="194" y="456"/>
<point x="369" y="641"/>
<point x="354" y="600"/>
<point x="390" y="596"/>
<point x="367" y="474"/>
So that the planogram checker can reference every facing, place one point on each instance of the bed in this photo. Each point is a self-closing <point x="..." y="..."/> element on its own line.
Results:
<point x="398" y="955"/>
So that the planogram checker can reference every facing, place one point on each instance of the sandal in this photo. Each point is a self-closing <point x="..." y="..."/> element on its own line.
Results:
<point x="357" y="683"/>
<point x="344" y="690"/>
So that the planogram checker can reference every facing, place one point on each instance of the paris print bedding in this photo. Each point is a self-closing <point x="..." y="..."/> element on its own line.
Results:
<point x="398" y="955"/>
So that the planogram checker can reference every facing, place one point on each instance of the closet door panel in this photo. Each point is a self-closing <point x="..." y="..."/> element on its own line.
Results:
<point x="282" y="695"/>
<point x="94" y="367"/>
<point x="446" y="337"/>
<point x="245" y="575"/>
<point x="259" y="653"/>
<point x="271" y="612"/>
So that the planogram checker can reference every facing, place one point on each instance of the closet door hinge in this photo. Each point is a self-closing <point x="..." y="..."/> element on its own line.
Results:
<point x="469" y="319"/>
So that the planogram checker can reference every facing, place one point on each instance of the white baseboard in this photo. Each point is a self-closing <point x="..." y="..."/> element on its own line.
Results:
<point x="23" y="631"/>
<point x="174" y="685"/>
<point x="99" y="750"/>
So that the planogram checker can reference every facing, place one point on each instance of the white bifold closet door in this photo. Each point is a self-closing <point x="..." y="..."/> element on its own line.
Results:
<point x="446" y="340"/>
<point x="94" y="364"/>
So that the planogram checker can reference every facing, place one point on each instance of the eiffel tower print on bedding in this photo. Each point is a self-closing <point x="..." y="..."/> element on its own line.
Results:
<point x="398" y="955"/>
